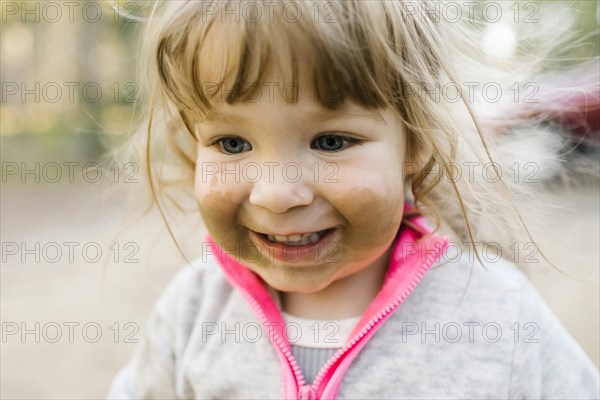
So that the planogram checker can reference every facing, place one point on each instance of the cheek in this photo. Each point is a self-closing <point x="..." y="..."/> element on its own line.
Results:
<point x="218" y="213"/>
<point x="373" y="217"/>
<point x="371" y="199"/>
<point x="217" y="204"/>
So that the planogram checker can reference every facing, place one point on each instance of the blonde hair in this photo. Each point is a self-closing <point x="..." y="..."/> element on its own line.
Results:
<point x="374" y="53"/>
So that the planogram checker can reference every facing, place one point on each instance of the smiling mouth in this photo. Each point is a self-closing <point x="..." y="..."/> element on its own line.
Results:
<point x="296" y="240"/>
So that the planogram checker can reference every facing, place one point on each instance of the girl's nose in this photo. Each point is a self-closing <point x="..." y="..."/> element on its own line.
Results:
<point x="279" y="193"/>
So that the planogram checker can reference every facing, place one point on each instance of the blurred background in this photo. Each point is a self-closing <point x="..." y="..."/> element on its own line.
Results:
<point x="80" y="270"/>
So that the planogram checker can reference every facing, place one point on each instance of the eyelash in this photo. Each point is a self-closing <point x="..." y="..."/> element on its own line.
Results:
<point x="350" y="140"/>
<point x="219" y="141"/>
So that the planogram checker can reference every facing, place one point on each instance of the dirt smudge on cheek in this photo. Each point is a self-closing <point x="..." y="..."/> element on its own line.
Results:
<point x="218" y="211"/>
<point x="373" y="219"/>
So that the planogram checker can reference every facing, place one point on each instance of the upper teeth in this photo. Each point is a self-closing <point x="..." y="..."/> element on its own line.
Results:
<point x="295" y="239"/>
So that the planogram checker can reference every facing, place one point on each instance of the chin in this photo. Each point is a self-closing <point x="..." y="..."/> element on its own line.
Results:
<point x="295" y="287"/>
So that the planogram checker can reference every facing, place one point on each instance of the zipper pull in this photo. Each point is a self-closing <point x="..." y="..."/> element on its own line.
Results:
<point x="307" y="392"/>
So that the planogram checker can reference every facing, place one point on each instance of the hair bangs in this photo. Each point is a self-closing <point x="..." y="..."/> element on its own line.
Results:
<point x="207" y="58"/>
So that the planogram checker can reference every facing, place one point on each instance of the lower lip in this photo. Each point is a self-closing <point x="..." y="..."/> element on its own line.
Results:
<point x="291" y="254"/>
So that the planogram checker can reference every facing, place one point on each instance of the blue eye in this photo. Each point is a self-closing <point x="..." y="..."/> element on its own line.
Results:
<point x="332" y="143"/>
<point x="233" y="145"/>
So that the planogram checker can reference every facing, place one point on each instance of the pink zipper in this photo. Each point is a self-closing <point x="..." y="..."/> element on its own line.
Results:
<point x="282" y="346"/>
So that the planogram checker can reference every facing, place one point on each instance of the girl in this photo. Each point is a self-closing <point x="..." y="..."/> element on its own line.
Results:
<point x="329" y="167"/>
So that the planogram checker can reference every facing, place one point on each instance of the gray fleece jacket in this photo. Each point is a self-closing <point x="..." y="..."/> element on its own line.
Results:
<point x="499" y="341"/>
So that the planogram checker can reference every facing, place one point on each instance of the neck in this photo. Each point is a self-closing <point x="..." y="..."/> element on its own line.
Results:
<point x="345" y="298"/>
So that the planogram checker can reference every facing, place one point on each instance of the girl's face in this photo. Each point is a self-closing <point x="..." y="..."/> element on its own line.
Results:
<point x="270" y="168"/>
